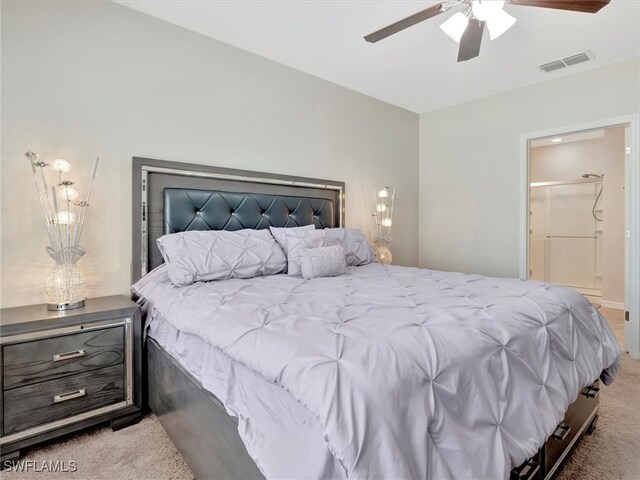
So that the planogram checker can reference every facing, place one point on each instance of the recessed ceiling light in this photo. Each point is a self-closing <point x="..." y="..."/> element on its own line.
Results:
<point x="556" y="140"/>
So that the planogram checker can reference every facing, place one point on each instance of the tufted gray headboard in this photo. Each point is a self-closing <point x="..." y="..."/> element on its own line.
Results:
<point x="171" y="197"/>
<point x="190" y="209"/>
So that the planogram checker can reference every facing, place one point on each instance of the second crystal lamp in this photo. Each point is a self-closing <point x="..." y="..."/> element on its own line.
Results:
<point x="383" y="215"/>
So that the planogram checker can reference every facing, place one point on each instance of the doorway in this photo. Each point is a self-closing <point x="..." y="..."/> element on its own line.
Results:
<point x="576" y="209"/>
<point x="580" y="215"/>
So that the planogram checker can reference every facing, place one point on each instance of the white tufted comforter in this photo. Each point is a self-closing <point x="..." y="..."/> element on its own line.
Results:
<point x="410" y="373"/>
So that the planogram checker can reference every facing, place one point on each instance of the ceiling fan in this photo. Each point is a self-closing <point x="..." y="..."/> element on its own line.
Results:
<point x="467" y="26"/>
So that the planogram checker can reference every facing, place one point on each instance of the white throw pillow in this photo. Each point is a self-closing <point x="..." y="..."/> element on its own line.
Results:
<point x="293" y="240"/>
<point x="323" y="262"/>
<point x="214" y="255"/>
<point x="356" y="247"/>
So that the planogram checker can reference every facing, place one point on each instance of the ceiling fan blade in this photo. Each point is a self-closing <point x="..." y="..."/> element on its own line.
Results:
<point x="587" y="6"/>
<point x="471" y="40"/>
<point x="405" y="23"/>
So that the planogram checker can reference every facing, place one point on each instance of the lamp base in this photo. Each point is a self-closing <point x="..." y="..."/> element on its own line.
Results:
<point x="60" y="307"/>
<point x="384" y="255"/>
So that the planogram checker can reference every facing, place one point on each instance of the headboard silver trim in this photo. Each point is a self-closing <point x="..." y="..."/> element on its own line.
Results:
<point x="275" y="179"/>
<point x="143" y="223"/>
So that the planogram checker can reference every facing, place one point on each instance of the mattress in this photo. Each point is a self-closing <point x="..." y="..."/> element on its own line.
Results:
<point x="388" y="371"/>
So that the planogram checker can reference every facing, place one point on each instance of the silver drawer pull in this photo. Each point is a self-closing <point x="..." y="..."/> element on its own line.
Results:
<point x="591" y="392"/>
<point x="63" y="397"/>
<point x="66" y="356"/>
<point x="561" y="432"/>
<point x="530" y="470"/>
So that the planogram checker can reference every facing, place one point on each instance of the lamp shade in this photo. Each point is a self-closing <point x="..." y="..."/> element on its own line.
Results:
<point x="67" y="193"/>
<point x="455" y="26"/>
<point x="499" y="23"/>
<point x="66" y="217"/>
<point x="484" y="10"/>
<point x="60" y="165"/>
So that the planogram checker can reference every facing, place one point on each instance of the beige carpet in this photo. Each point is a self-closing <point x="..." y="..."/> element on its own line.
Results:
<point x="144" y="451"/>
<point x="613" y="451"/>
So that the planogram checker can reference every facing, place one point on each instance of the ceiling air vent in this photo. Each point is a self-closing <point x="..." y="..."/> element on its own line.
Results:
<point x="567" y="61"/>
<point x="575" y="59"/>
<point x="551" y="66"/>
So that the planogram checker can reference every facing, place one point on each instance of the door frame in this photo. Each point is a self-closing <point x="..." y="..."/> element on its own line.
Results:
<point x="633" y="174"/>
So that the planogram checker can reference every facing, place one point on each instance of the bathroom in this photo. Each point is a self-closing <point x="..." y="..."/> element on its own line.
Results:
<point x="577" y="213"/>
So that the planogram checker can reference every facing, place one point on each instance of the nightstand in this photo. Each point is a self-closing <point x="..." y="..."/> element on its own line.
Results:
<point x="64" y="371"/>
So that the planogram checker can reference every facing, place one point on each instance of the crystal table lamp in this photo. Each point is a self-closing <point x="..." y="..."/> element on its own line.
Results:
<point x="383" y="215"/>
<point x="64" y="215"/>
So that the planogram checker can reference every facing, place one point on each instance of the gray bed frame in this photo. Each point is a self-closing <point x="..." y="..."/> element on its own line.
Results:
<point x="195" y="419"/>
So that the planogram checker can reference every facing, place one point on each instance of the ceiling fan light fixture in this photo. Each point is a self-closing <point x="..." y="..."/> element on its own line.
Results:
<point x="499" y="23"/>
<point x="467" y="28"/>
<point x="455" y="26"/>
<point x="484" y="10"/>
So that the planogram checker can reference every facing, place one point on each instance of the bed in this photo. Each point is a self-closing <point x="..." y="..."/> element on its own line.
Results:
<point x="386" y="372"/>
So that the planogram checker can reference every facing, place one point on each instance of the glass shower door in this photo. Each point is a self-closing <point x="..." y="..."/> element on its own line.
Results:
<point x="565" y="238"/>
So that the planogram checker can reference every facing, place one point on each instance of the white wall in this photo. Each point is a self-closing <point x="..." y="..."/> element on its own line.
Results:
<point x="604" y="155"/>
<point x="469" y="154"/>
<point x="81" y="79"/>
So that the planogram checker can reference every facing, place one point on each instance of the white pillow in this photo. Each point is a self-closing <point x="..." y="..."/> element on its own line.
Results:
<point x="356" y="247"/>
<point x="156" y="276"/>
<point x="292" y="240"/>
<point x="214" y="255"/>
<point x="323" y="262"/>
<point x="278" y="231"/>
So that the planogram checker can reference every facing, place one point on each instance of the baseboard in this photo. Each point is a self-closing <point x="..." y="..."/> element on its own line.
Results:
<point x="594" y="299"/>
<point x="591" y="292"/>
<point x="614" y="305"/>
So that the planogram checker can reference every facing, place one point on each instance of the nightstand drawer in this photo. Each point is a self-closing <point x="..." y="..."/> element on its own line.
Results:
<point x="45" y="402"/>
<point x="50" y="358"/>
